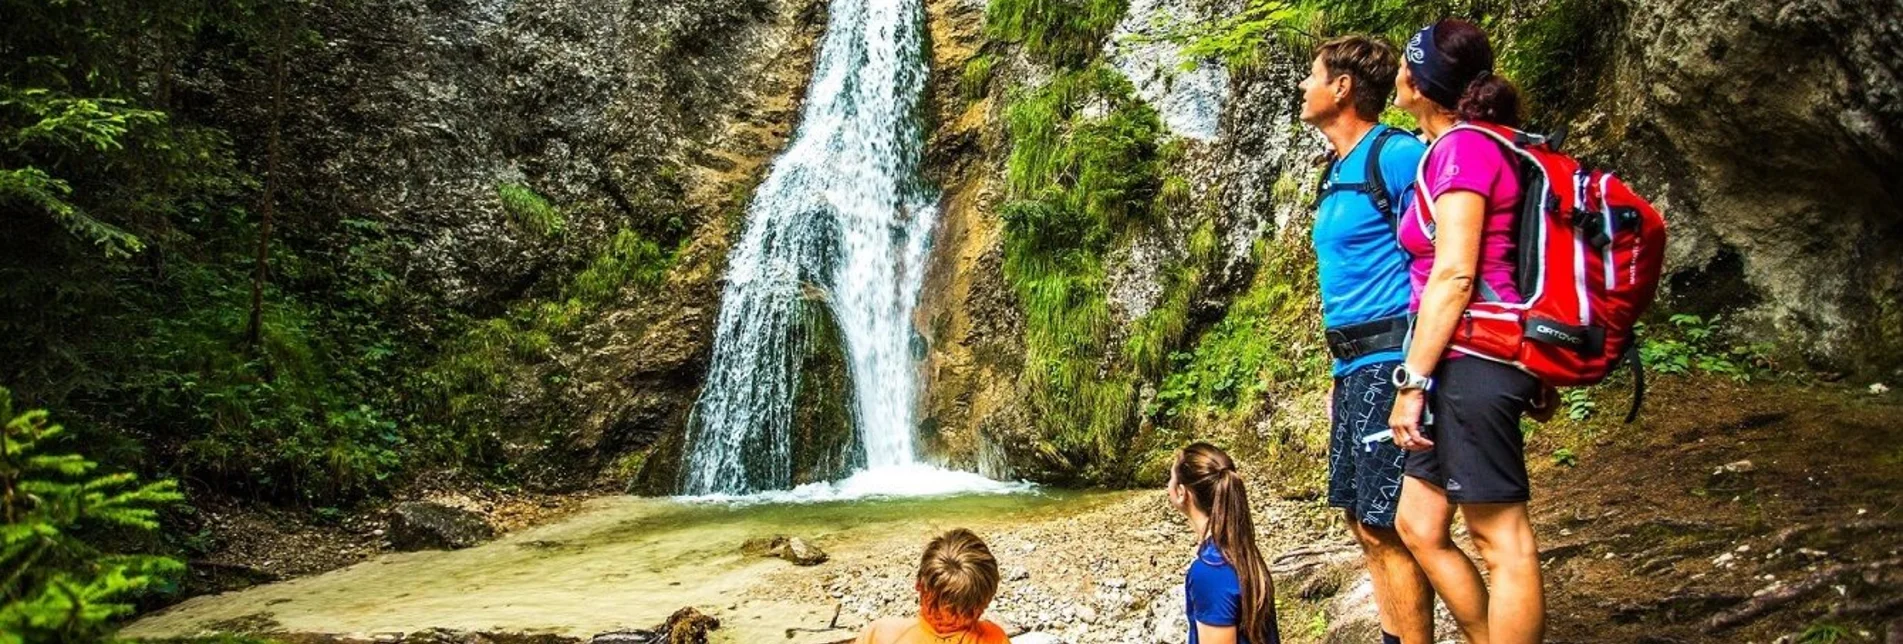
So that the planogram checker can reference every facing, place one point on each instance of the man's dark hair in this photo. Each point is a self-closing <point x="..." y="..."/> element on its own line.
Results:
<point x="1371" y="62"/>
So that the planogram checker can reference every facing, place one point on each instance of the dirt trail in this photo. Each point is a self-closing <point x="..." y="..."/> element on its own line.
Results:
<point x="1656" y="532"/>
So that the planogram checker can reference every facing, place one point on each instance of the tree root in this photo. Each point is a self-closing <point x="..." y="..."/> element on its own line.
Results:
<point x="1780" y="595"/>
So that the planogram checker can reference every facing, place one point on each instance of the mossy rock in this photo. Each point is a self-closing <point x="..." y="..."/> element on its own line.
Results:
<point x="826" y="445"/>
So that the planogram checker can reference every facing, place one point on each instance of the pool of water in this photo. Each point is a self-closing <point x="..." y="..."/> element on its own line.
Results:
<point x="621" y="562"/>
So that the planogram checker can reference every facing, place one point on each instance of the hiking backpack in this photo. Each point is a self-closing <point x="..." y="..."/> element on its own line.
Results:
<point x="1589" y="255"/>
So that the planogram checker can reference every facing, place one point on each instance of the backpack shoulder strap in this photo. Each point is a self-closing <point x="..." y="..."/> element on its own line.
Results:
<point x="1377" y="185"/>
<point x="1324" y="186"/>
<point x="1372" y="183"/>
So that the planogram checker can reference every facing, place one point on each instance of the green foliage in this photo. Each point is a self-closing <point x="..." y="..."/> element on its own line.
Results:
<point x="468" y="385"/>
<point x="1265" y="28"/>
<point x="1579" y="403"/>
<point x="1076" y="177"/>
<point x="976" y="76"/>
<point x="1564" y="457"/>
<point x="1250" y="349"/>
<point x="1068" y="33"/>
<point x="628" y="259"/>
<point x="1550" y="52"/>
<point x="58" y="585"/>
<point x="1824" y="633"/>
<point x="1691" y="342"/>
<point x="56" y="126"/>
<point x="1153" y="336"/>
<point x="530" y="209"/>
<point x="1400" y="119"/>
<point x="1239" y="41"/>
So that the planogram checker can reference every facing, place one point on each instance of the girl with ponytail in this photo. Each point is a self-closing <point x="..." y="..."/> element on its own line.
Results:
<point x="1230" y="597"/>
<point x="1459" y="416"/>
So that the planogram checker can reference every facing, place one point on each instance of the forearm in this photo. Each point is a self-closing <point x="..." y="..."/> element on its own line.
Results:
<point x="1443" y="300"/>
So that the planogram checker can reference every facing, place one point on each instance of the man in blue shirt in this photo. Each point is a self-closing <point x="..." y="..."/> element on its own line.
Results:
<point x="1365" y="291"/>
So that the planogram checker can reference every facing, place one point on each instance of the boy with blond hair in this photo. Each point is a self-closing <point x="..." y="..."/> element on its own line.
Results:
<point x="957" y="577"/>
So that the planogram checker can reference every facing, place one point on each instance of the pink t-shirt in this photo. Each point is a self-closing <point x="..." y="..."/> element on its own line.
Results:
<point x="1470" y="161"/>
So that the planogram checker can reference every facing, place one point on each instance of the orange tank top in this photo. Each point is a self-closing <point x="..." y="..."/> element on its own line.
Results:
<point x="913" y="630"/>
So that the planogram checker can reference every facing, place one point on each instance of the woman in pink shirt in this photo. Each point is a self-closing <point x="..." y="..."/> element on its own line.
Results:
<point x="1459" y="416"/>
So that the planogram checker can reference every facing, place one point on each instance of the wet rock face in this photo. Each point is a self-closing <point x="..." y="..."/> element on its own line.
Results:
<point x="1770" y="133"/>
<point x="412" y="113"/>
<point x="825" y="439"/>
<point x="652" y="117"/>
<point x="417" y="525"/>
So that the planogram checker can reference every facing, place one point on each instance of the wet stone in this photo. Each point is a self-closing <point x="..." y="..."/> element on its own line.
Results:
<point x="418" y="525"/>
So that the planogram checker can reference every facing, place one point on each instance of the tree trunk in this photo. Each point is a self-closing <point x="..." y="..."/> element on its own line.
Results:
<point x="254" y="331"/>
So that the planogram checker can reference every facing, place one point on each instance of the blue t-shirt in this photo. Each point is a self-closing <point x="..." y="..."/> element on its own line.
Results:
<point x="1363" y="269"/>
<point x="1213" y="595"/>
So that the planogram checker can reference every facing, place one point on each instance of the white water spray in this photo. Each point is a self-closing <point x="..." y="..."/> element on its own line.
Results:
<point x="842" y="217"/>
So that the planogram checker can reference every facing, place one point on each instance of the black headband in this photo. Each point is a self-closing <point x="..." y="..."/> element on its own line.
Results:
<point x="1432" y="71"/>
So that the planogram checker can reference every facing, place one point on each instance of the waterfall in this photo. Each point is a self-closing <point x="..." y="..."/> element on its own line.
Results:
<point x="841" y="217"/>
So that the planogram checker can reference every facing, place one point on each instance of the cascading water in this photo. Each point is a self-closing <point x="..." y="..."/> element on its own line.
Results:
<point x="843" y="217"/>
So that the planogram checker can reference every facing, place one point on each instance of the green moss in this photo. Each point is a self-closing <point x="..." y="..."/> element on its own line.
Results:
<point x="530" y="209"/>
<point x="475" y="372"/>
<point x="1068" y="33"/>
<point x="628" y="259"/>
<point x="976" y="78"/>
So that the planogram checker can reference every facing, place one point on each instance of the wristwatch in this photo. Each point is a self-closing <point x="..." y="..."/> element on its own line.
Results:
<point x="1406" y="380"/>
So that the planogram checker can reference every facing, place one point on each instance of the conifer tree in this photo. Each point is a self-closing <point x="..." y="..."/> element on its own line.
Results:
<point x="56" y="586"/>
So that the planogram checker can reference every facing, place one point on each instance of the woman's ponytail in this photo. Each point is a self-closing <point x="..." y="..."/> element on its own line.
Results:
<point x="1491" y="98"/>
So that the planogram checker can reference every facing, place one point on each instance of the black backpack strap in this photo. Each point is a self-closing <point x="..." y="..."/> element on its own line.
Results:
<point x="1371" y="184"/>
<point x="1376" y="185"/>
<point x="1323" y="187"/>
<point x="1638" y="379"/>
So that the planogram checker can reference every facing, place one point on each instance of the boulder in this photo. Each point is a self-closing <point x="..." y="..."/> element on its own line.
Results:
<point x="686" y="626"/>
<point x="801" y="553"/>
<point x="794" y="549"/>
<point x="421" y="525"/>
<point x="689" y="626"/>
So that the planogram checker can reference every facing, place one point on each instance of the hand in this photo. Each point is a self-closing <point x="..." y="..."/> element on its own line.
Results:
<point x="1544" y="405"/>
<point x="1405" y="420"/>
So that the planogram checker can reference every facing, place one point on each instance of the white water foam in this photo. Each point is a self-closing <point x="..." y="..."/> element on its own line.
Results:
<point x="897" y="481"/>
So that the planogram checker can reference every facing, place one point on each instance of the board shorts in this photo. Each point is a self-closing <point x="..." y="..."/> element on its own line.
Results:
<point x="1364" y="464"/>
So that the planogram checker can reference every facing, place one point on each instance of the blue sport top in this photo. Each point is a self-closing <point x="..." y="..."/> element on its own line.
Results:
<point x="1363" y="269"/>
<point x="1214" y="595"/>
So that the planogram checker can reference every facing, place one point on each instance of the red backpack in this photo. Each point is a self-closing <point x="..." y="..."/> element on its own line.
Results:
<point x="1589" y="256"/>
